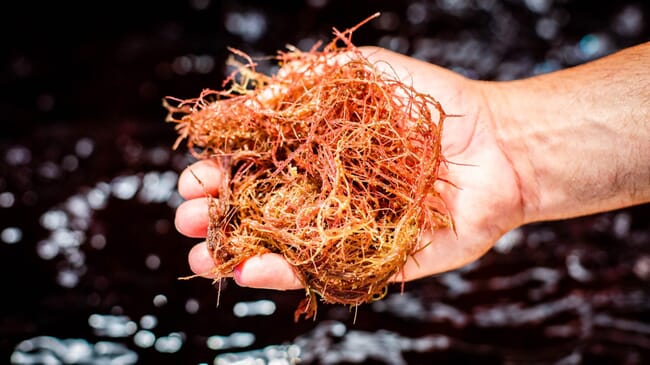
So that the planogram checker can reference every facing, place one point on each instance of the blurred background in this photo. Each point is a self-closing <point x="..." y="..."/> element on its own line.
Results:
<point x="89" y="256"/>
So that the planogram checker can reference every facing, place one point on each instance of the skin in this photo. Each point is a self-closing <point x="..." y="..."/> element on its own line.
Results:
<point x="555" y="146"/>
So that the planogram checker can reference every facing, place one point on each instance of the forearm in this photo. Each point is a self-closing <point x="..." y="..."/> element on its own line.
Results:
<point x="579" y="138"/>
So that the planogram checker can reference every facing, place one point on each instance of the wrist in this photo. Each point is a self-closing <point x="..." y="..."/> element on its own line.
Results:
<point x="518" y="142"/>
<point x="577" y="139"/>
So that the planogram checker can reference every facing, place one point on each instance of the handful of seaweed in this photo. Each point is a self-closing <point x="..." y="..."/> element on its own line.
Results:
<point x="329" y="162"/>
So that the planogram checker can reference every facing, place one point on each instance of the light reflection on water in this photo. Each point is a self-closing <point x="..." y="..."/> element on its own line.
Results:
<point x="46" y="350"/>
<point x="68" y="222"/>
<point x="51" y="350"/>
<point x="11" y="235"/>
<point x="7" y="199"/>
<point x="112" y="325"/>
<point x="331" y="342"/>
<point x="256" y="308"/>
<point x="233" y="340"/>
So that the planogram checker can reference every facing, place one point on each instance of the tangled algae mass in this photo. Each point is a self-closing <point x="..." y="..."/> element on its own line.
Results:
<point x="328" y="162"/>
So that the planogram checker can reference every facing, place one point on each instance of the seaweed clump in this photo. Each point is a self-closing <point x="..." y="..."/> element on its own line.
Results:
<point x="329" y="162"/>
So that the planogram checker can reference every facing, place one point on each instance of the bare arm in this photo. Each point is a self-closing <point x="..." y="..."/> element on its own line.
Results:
<point x="579" y="139"/>
<point x="560" y="145"/>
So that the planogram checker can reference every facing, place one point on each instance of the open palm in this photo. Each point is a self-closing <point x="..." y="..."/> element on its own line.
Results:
<point x="484" y="198"/>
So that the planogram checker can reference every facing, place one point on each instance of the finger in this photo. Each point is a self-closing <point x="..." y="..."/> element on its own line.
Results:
<point x="201" y="178"/>
<point x="200" y="261"/>
<point x="192" y="218"/>
<point x="267" y="271"/>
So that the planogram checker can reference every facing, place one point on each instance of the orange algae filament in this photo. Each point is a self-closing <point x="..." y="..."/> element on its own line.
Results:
<point x="329" y="162"/>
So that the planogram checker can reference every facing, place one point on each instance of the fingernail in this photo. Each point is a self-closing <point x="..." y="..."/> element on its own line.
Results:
<point x="236" y="273"/>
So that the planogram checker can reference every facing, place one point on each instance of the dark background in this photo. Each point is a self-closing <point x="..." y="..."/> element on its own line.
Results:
<point x="567" y="292"/>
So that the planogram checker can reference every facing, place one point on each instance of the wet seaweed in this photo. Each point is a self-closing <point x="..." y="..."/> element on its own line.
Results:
<point x="330" y="162"/>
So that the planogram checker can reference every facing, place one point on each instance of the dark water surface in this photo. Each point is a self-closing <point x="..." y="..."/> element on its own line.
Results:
<point x="90" y="258"/>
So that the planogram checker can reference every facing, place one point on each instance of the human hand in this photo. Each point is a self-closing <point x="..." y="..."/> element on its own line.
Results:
<point x="484" y="200"/>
